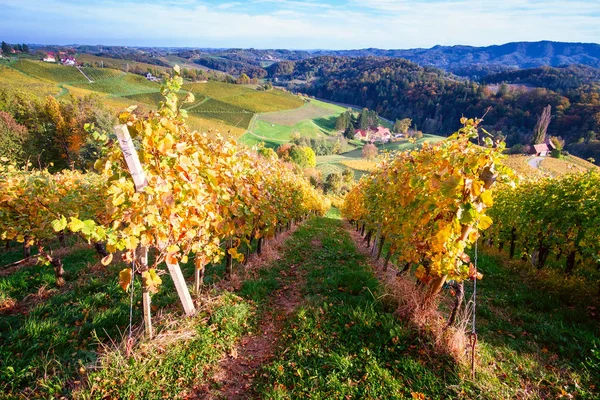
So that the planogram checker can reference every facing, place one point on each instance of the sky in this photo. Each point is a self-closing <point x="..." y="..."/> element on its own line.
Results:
<point x="296" y="24"/>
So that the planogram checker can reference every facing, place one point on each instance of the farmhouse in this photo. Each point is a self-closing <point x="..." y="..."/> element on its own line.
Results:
<point x="373" y="134"/>
<point x="68" y="61"/>
<point x="362" y="134"/>
<point x="381" y="134"/>
<point x="49" y="57"/>
<point x="152" y="78"/>
<point x="540" y="150"/>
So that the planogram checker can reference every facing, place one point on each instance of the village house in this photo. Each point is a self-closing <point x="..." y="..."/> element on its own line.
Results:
<point x="49" y="58"/>
<point x="374" y="134"/>
<point x="68" y="61"/>
<point x="152" y="78"/>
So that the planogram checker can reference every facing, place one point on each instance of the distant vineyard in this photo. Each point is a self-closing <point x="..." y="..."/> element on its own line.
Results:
<point x="51" y="72"/>
<point x="121" y="85"/>
<point x="232" y="115"/>
<point x="97" y="74"/>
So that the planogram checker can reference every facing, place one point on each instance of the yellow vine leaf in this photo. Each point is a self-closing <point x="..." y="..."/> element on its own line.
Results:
<point x="125" y="278"/>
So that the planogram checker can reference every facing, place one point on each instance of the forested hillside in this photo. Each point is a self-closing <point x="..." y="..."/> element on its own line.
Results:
<point x="470" y="60"/>
<point x="435" y="100"/>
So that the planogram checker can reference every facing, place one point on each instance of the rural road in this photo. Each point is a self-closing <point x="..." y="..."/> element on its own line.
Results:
<point x="535" y="162"/>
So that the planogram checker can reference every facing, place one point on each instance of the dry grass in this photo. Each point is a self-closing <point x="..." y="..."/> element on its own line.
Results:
<point x="360" y="165"/>
<point x="421" y="313"/>
<point x="519" y="164"/>
<point x="549" y="166"/>
<point x="559" y="166"/>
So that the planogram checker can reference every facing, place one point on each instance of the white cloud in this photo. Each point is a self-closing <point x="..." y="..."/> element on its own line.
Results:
<point x="297" y="24"/>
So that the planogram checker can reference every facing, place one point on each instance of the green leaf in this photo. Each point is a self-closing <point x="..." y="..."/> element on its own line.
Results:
<point x="75" y="225"/>
<point x="449" y="185"/>
<point x="466" y="214"/>
<point x="59" y="224"/>
<point x="88" y="227"/>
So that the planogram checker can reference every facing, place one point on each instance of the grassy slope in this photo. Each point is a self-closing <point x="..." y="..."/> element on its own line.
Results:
<point x="313" y="119"/>
<point x="10" y="77"/>
<point x="345" y="342"/>
<point x="50" y="334"/>
<point x="353" y="159"/>
<point x="548" y="167"/>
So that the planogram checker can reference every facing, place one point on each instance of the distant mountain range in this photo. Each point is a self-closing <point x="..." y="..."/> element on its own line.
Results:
<point x="480" y="61"/>
<point x="468" y="61"/>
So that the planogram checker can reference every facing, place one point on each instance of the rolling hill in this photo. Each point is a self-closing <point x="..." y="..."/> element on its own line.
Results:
<point x="224" y="107"/>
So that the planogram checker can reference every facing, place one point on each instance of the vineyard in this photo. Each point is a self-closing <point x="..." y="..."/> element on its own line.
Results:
<point x="550" y="217"/>
<point x="143" y="278"/>
<point x="204" y="197"/>
<point x="224" y="107"/>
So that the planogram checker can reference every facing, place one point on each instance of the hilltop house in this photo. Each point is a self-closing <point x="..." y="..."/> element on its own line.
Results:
<point x="362" y="134"/>
<point x="152" y="78"/>
<point x="540" y="150"/>
<point x="68" y="61"/>
<point x="373" y="134"/>
<point x="543" y="149"/>
<point x="49" y="57"/>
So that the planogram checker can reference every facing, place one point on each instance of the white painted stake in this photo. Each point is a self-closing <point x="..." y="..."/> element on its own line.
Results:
<point x="182" y="289"/>
<point x="131" y="157"/>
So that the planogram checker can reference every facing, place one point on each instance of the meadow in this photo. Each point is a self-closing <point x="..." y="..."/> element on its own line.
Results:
<point x="353" y="159"/>
<point x="312" y="119"/>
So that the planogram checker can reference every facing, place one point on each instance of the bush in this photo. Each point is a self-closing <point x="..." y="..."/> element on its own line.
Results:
<point x="369" y="151"/>
<point x="303" y="156"/>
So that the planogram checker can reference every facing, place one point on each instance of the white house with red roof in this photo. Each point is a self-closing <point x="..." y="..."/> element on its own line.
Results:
<point x="68" y="61"/>
<point x="50" y="57"/>
<point x="373" y="134"/>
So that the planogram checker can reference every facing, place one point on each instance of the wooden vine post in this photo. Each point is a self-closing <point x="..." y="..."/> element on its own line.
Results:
<point x="140" y="182"/>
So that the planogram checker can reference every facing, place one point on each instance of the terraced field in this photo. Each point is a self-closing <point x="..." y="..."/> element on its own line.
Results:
<point x="48" y="71"/>
<point x="220" y="106"/>
<point x="226" y="112"/>
<point x="121" y="85"/>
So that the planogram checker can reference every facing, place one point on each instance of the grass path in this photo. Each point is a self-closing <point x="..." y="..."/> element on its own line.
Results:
<point x="341" y="339"/>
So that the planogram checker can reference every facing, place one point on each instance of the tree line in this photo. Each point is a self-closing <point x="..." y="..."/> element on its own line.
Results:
<point x="434" y="100"/>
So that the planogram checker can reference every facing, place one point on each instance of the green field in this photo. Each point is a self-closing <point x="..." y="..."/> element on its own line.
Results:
<point x="335" y="162"/>
<point x="313" y="119"/>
